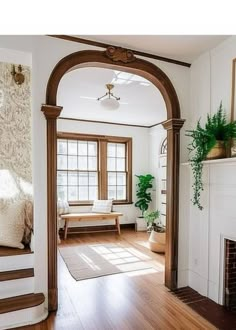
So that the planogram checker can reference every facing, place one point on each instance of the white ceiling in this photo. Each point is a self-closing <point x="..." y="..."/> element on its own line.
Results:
<point x="141" y="103"/>
<point x="183" y="47"/>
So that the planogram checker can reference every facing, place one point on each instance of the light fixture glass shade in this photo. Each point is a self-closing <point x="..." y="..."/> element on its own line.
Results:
<point x="110" y="104"/>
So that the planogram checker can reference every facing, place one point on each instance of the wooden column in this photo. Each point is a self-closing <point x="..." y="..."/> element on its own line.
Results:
<point x="173" y="127"/>
<point x="51" y="114"/>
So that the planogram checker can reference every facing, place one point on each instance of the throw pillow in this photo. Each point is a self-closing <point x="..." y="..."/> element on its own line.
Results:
<point x="102" y="206"/>
<point x="28" y="228"/>
<point x="12" y="225"/>
<point x="62" y="207"/>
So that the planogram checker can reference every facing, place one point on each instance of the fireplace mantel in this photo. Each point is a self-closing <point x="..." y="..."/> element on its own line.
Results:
<point x="221" y="161"/>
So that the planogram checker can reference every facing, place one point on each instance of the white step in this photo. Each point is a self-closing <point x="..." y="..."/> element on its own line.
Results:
<point x="23" y="317"/>
<point x="16" y="287"/>
<point x="13" y="262"/>
<point x="23" y="310"/>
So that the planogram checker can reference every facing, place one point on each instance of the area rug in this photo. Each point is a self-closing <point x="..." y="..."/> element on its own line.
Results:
<point x="89" y="261"/>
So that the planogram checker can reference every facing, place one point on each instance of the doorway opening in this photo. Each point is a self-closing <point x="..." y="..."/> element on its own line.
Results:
<point x="99" y="151"/>
<point x="173" y="125"/>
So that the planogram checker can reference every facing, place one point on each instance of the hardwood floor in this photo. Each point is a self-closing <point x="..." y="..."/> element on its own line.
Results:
<point x="127" y="301"/>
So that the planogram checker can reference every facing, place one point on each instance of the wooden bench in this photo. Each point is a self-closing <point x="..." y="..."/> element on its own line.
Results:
<point x="91" y="216"/>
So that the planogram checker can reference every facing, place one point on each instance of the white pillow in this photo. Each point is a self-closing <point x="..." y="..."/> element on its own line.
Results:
<point x="102" y="206"/>
<point x="62" y="207"/>
<point x="12" y="225"/>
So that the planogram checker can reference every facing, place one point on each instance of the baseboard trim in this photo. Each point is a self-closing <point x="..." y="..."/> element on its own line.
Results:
<point x="83" y="229"/>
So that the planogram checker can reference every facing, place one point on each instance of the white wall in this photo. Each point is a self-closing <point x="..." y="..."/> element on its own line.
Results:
<point x="211" y="83"/>
<point x="180" y="78"/>
<point x="46" y="52"/>
<point x="157" y="135"/>
<point x="140" y="156"/>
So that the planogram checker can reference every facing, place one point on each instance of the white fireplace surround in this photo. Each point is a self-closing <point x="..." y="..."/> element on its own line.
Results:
<point x="208" y="229"/>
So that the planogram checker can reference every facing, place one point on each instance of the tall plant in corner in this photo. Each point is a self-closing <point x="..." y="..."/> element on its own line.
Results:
<point x="142" y="192"/>
<point x="203" y="140"/>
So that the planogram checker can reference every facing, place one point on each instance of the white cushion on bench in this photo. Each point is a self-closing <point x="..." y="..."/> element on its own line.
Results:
<point x="102" y="206"/>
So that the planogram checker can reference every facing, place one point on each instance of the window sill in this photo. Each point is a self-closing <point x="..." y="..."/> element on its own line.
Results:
<point x="123" y="203"/>
<point x="91" y="204"/>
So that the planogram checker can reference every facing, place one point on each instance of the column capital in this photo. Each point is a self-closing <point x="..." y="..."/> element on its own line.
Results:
<point x="51" y="111"/>
<point x="174" y="124"/>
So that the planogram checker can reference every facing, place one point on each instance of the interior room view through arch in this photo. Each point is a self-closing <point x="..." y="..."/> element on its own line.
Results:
<point x="123" y="133"/>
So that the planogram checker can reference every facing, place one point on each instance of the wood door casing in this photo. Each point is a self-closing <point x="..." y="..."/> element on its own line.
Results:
<point x="173" y="125"/>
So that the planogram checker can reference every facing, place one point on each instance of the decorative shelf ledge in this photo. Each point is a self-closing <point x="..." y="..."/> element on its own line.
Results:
<point x="226" y="161"/>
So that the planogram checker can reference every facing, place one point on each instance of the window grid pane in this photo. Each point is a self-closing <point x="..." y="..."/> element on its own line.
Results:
<point x="62" y="178"/>
<point x="117" y="188"/>
<point x="72" y="147"/>
<point x="62" y="147"/>
<point x="82" y="148"/>
<point x="72" y="178"/>
<point x="72" y="163"/>
<point x="83" y="193"/>
<point x="72" y="193"/>
<point x="92" y="148"/>
<point x="61" y="162"/>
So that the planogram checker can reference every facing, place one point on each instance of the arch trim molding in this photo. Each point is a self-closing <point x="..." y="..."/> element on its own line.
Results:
<point x="173" y="124"/>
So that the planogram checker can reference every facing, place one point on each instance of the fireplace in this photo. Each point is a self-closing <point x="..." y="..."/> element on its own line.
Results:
<point x="230" y="275"/>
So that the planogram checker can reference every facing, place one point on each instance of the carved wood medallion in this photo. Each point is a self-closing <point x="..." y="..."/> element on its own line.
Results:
<point x="120" y="54"/>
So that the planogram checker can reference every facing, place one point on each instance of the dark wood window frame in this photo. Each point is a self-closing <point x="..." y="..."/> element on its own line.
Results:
<point x="102" y="141"/>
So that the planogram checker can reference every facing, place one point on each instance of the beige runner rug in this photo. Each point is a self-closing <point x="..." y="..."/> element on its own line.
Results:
<point x="89" y="261"/>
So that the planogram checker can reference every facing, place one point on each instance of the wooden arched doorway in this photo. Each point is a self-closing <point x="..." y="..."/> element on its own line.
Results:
<point x="123" y="60"/>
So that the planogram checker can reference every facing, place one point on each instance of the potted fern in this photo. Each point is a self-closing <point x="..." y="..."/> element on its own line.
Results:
<point x="208" y="142"/>
<point x="143" y="198"/>
<point x="157" y="238"/>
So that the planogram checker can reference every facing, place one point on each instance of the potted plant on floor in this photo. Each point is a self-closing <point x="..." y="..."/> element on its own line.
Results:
<point x="143" y="198"/>
<point x="208" y="142"/>
<point x="157" y="231"/>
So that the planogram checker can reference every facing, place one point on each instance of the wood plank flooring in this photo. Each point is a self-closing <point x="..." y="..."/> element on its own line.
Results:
<point x="127" y="301"/>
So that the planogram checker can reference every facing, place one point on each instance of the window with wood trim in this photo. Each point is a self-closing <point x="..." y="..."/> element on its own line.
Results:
<point x="164" y="147"/>
<point x="163" y="164"/>
<point x="93" y="167"/>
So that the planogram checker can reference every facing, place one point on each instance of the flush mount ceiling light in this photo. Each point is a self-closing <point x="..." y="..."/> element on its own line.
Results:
<point x="109" y="100"/>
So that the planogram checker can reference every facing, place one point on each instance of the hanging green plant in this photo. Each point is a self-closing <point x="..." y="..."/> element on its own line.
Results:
<point x="203" y="140"/>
